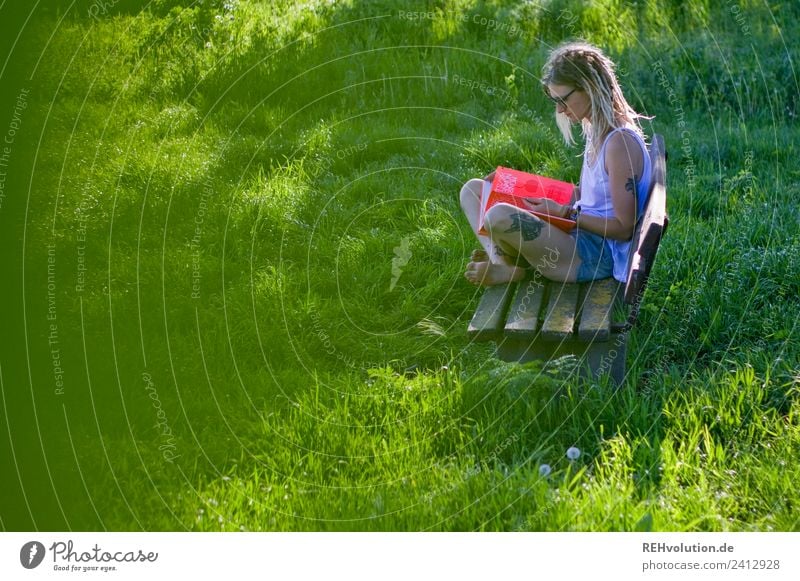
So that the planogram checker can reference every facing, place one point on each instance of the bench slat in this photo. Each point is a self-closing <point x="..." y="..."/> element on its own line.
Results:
<point x="598" y="305"/>
<point x="487" y="322"/>
<point x="523" y="316"/>
<point x="560" y="318"/>
<point x="651" y="227"/>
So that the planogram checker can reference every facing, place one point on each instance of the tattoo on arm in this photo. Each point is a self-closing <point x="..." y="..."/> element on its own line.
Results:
<point x="630" y="185"/>
<point x="529" y="226"/>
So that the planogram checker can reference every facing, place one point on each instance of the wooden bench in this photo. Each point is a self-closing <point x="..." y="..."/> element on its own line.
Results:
<point x="539" y="319"/>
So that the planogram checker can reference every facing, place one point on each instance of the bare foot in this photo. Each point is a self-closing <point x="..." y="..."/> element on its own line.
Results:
<point x="489" y="274"/>
<point x="479" y="255"/>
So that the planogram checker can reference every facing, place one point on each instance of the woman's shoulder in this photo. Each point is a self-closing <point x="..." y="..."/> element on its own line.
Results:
<point x="624" y="145"/>
<point x="625" y="137"/>
<point x="624" y="141"/>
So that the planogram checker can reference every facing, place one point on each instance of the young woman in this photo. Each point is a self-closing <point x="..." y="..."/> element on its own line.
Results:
<point x="581" y="82"/>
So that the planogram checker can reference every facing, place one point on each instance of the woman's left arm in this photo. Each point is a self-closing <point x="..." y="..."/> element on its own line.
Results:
<point x="624" y="164"/>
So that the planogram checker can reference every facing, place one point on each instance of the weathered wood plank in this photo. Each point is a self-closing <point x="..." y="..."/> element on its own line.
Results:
<point x="596" y="309"/>
<point x="523" y="316"/>
<point x="559" y="321"/>
<point x="487" y="322"/>
<point x="650" y="227"/>
<point x="607" y="357"/>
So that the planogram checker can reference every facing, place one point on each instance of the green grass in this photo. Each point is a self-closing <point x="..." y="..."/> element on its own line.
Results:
<point x="238" y="178"/>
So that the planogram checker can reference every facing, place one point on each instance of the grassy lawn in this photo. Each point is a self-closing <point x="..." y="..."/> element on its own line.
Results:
<point x="235" y="248"/>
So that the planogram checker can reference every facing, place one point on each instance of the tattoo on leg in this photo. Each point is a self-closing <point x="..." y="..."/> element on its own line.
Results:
<point x="529" y="226"/>
<point x="509" y="256"/>
<point x="630" y="185"/>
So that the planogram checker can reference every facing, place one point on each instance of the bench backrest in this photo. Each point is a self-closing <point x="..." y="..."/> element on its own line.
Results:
<point x="650" y="227"/>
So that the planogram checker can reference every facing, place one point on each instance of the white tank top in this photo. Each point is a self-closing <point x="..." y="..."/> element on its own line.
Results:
<point x="596" y="197"/>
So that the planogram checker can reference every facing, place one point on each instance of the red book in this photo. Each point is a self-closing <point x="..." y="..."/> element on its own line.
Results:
<point x="512" y="187"/>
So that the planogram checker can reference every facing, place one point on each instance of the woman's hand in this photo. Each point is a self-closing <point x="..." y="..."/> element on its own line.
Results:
<point x="547" y="206"/>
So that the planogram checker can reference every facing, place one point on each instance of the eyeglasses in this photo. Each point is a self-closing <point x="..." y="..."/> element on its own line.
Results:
<point x="559" y="100"/>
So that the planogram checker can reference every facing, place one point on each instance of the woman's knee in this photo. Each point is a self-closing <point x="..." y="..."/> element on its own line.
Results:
<point x="471" y="193"/>
<point x="498" y="218"/>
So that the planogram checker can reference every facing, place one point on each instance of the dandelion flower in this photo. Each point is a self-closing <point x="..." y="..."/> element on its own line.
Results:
<point x="573" y="453"/>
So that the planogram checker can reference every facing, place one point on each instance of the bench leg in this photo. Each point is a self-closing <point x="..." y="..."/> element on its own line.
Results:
<point x="612" y="358"/>
<point x="596" y="359"/>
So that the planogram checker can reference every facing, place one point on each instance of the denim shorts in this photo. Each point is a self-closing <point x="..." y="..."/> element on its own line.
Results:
<point x="595" y="255"/>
